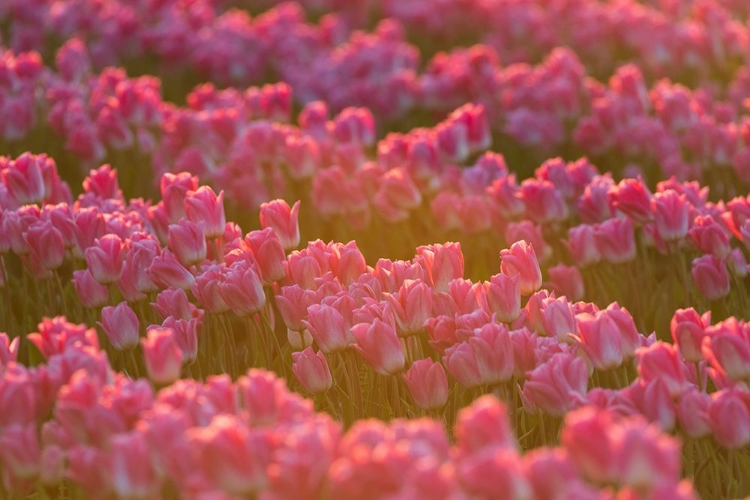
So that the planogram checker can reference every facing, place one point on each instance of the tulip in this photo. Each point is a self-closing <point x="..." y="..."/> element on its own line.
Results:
<point x="521" y="260"/>
<point x="427" y="384"/>
<point x="105" y="259"/>
<point x="162" y="354"/>
<point x="711" y="277"/>
<point x="312" y="370"/>
<point x="187" y="242"/>
<point x="379" y="346"/>
<point x="204" y="205"/>
<point x="120" y="324"/>
<point x="283" y="220"/>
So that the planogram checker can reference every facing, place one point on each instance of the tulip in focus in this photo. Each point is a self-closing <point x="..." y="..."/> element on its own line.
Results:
<point x="521" y="260"/>
<point x="312" y="370"/>
<point x="427" y="384"/>
<point x="120" y="324"/>
<point x="283" y="220"/>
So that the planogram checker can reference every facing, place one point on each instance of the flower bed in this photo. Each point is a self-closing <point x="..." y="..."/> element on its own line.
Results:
<point x="515" y="269"/>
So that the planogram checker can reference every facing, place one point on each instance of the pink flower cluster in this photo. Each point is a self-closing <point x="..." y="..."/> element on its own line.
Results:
<point x="112" y="437"/>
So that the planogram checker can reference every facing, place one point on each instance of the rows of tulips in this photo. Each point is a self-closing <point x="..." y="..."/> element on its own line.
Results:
<point x="578" y="333"/>
<point x="400" y="339"/>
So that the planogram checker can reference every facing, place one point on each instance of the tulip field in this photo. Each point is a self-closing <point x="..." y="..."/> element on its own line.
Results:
<point x="374" y="250"/>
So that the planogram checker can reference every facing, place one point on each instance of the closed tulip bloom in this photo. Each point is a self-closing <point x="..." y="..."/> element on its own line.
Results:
<point x="379" y="346"/>
<point x="24" y="178"/>
<point x="586" y="436"/>
<point x="46" y="244"/>
<point x="521" y="260"/>
<point x="412" y="306"/>
<point x="615" y="240"/>
<point x="443" y="263"/>
<point x="187" y="242"/>
<point x="186" y="335"/>
<point x="671" y="214"/>
<point x="692" y="412"/>
<point x="582" y="245"/>
<point x="105" y="259"/>
<point x="461" y="362"/>
<point x="633" y="198"/>
<point x="206" y="290"/>
<point x="283" y="220"/>
<point x="163" y="356"/>
<point x="660" y="360"/>
<point x="167" y="272"/>
<point x="710" y="236"/>
<point x="204" y="205"/>
<point x="174" y="188"/>
<point x="503" y="297"/>
<point x="120" y="324"/>
<point x="312" y="370"/>
<point x="427" y="384"/>
<point x="557" y="386"/>
<point x="688" y="329"/>
<point x="293" y="303"/>
<point x="567" y="281"/>
<point x="558" y="319"/>
<point x="269" y="252"/>
<point x="242" y="289"/>
<point x="91" y="293"/>
<point x="729" y="417"/>
<point x="600" y="339"/>
<point x="493" y="350"/>
<point x="711" y="277"/>
<point x="728" y="352"/>
<point x="329" y="328"/>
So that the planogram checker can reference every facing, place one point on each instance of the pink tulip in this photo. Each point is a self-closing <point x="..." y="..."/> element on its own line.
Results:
<point x="8" y="349"/>
<point x="24" y="180"/>
<point x="204" y="205"/>
<point x="91" y="293"/>
<point x="442" y="263"/>
<point x="206" y="290"/>
<point x="379" y="346"/>
<point x="162" y="354"/>
<point x="20" y="452"/>
<point x="710" y="236"/>
<point x="269" y="252"/>
<point x="278" y="216"/>
<point x="232" y="455"/>
<point x="600" y="339"/>
<point x="242" y="289"/>
<point x="120" y="324"/>
<point x="461" y="362"/>
<point x="567" y="281"/>
<point x="167" y="272"/>
<point x="728" y="352"/>
<point x="186" y="335"/>
<point x="711" y="277"/>
<point x="688" y="330"/>
<point x="484" y="425"/>
<point x="133" y="474"/>
<point x="427" y="384"/>
<point x="330" y="329"/>
<point x="187" y="242"/>
<point x="671" y="213"/>
<point x="105" y="259"/>
<point x="660" y="360"/>
<point x="729" y="418"/>
<point x="521" y="260"/>
<point x="557" y="386"/>
<point x="412" y="306"/>
<point x="615" y="240"/>
<point x="47" y="244"/>
<point x="503" y="296"/>
<point x="692" y="412"/>
<point x="311" y="369"/>
<point x="102" y="183"/>
<point x="174" y="188"/>
<point x="293" y="303"/>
